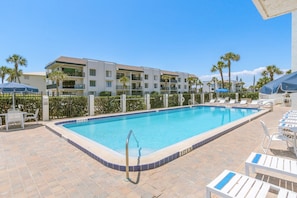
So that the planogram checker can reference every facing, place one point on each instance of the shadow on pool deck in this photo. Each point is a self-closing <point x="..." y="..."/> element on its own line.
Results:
<point x="37" y="163"/>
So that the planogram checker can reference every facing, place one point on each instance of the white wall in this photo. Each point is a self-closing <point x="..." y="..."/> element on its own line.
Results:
<point x="294" y="41"/>
<point x="34" y="80"/>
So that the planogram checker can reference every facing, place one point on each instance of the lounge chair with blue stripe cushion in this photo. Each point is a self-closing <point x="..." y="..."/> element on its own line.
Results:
<point x="271" y="163"/>
<point x="233" y="184"/>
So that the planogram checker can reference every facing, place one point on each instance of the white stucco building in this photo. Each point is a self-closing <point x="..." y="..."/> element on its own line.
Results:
<point x="34" y="79"/>
<point x="91" y="77"/>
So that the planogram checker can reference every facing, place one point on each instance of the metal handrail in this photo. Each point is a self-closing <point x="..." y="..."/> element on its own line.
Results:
<point x="127" y="151"/>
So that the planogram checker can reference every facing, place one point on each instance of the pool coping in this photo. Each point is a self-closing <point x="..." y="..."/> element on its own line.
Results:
<point x="114" y="160"/>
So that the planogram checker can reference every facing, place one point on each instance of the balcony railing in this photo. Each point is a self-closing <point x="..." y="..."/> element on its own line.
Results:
<point x="136" y="88"/>
<point x="75" y="74"/>
<point x="136" y="78"/>
<point x="52" y="86"/>
<point x="121" y="87"/>
<point x="77" y="86"/>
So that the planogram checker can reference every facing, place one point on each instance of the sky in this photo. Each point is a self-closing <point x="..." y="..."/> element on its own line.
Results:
<point x="175" y="35"/>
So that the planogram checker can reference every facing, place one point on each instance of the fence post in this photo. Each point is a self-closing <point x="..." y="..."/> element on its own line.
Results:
<point x="148" y="101"/>
<point x="181" y="99"/>
<point x="236" y="97"/>
<point x="123" y="102"/>
<point x="91" y="105"/>
<point x="45" y="108"/>
<point x="165" y="100"/>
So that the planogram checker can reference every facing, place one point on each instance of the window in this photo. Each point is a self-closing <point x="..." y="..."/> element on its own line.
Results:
<point x="185" y="86"/>
<point x="155" y="85"/>
<point x="179" y="79"/>
<point x="155" y="77"/>
<point x="92" y="83"/>
<point x="145" y="85"/>
<point x="108" y="84"/>
<point x="178" y="86"/>
<point x="185" y="80"/>
<point x="108" y="73"/>
<point x="146" y="77"/>
<point x="92" y="72"/>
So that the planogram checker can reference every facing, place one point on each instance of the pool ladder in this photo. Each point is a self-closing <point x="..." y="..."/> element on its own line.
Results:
<point x="127" y="151"/>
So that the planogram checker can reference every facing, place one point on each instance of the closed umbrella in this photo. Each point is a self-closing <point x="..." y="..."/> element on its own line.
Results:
<point x="13" y="88"/>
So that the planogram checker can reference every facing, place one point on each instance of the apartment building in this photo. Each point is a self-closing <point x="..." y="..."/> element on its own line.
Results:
<point x="91" y="77"/>
<point x="34" y="79"/>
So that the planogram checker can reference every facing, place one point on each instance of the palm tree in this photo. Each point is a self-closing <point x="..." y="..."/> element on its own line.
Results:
<point x="271" y="70"/>
<point x="209" y="84"/>
<point x="192" y="81"/>
<point x="198" y="83"/>
<point x="3" y="73"/>
<point x="57" y="76"/>
<point x="289" y="71"/>
<point x="219" y="67"/>
<point x="124" y="80"/>
<point x="214" y="80"/>
<point x="17" y="60"/>
<point x="12" y="74"/>
<point x="230" y="56"/>
<point x="166" y="79"/>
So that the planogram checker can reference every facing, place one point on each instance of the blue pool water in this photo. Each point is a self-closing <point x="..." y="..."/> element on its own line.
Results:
<point x="156" y="130"/>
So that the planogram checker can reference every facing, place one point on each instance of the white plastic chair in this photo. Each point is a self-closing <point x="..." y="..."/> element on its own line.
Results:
<point x="32" y="116"/>
<point x="268" y="138"/>
<point x="14" y="117"/>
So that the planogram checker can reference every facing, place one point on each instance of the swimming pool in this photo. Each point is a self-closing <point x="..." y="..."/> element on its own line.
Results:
<point x="162" y="135"/>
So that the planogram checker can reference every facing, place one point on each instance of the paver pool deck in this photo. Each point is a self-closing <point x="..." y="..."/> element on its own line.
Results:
<point x="35" y="162"/>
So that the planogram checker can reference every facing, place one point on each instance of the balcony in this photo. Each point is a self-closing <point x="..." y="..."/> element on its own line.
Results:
<point x="121" y="87"/>
<point x="77" y="86"/>
<point x="137" y="88"/>
<point x="173" y="81"/>
<point x="52" y="86"/>
<point x="75" y="74"/>
<point x="136" y="78"/>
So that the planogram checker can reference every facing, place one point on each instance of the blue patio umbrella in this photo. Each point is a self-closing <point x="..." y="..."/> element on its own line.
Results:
<point x="222" y="90"/>
<point x="13" y="88"/>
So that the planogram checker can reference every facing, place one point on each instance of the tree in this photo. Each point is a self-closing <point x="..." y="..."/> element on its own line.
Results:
<point x="166" y="79"/>
<point x="57" y="76"/>
<point x="12" y="74"/>
<point x="214" y="80"/>
<point x="17" y="60"/>
<point x="270" y="71"/>
<point x="124" y="80"/>
<point x="192" y="81"/>
<point x="3" y="72"/>
<point x="198" y="83"/>
<point x="289" y="71"/>
<point x="219" y="67"/>
<point x="230" y="56"/>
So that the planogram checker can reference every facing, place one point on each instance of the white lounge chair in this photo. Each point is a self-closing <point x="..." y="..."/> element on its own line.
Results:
<point x="243" y="102"/>
<point x="268" y="138"/>
<point x="233" y="184"/>
<point x="212" y="101"/>
<point x="32" y="116"/>
<point x="14" y="117"/>
<point x="270" y="163"/>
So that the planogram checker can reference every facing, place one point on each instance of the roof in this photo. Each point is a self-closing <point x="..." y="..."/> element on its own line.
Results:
<point x="68" y="60"/>
<point x="273" y="8"/>
<point x="169" y="73"/>
<point x="129" y="68"/>
<point x="34" y="73"/>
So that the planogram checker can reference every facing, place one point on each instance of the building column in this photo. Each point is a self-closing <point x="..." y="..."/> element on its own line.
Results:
<point x="294" y="42"/>
<point x="123" y="103"/>
<point x="165" y="100"/>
